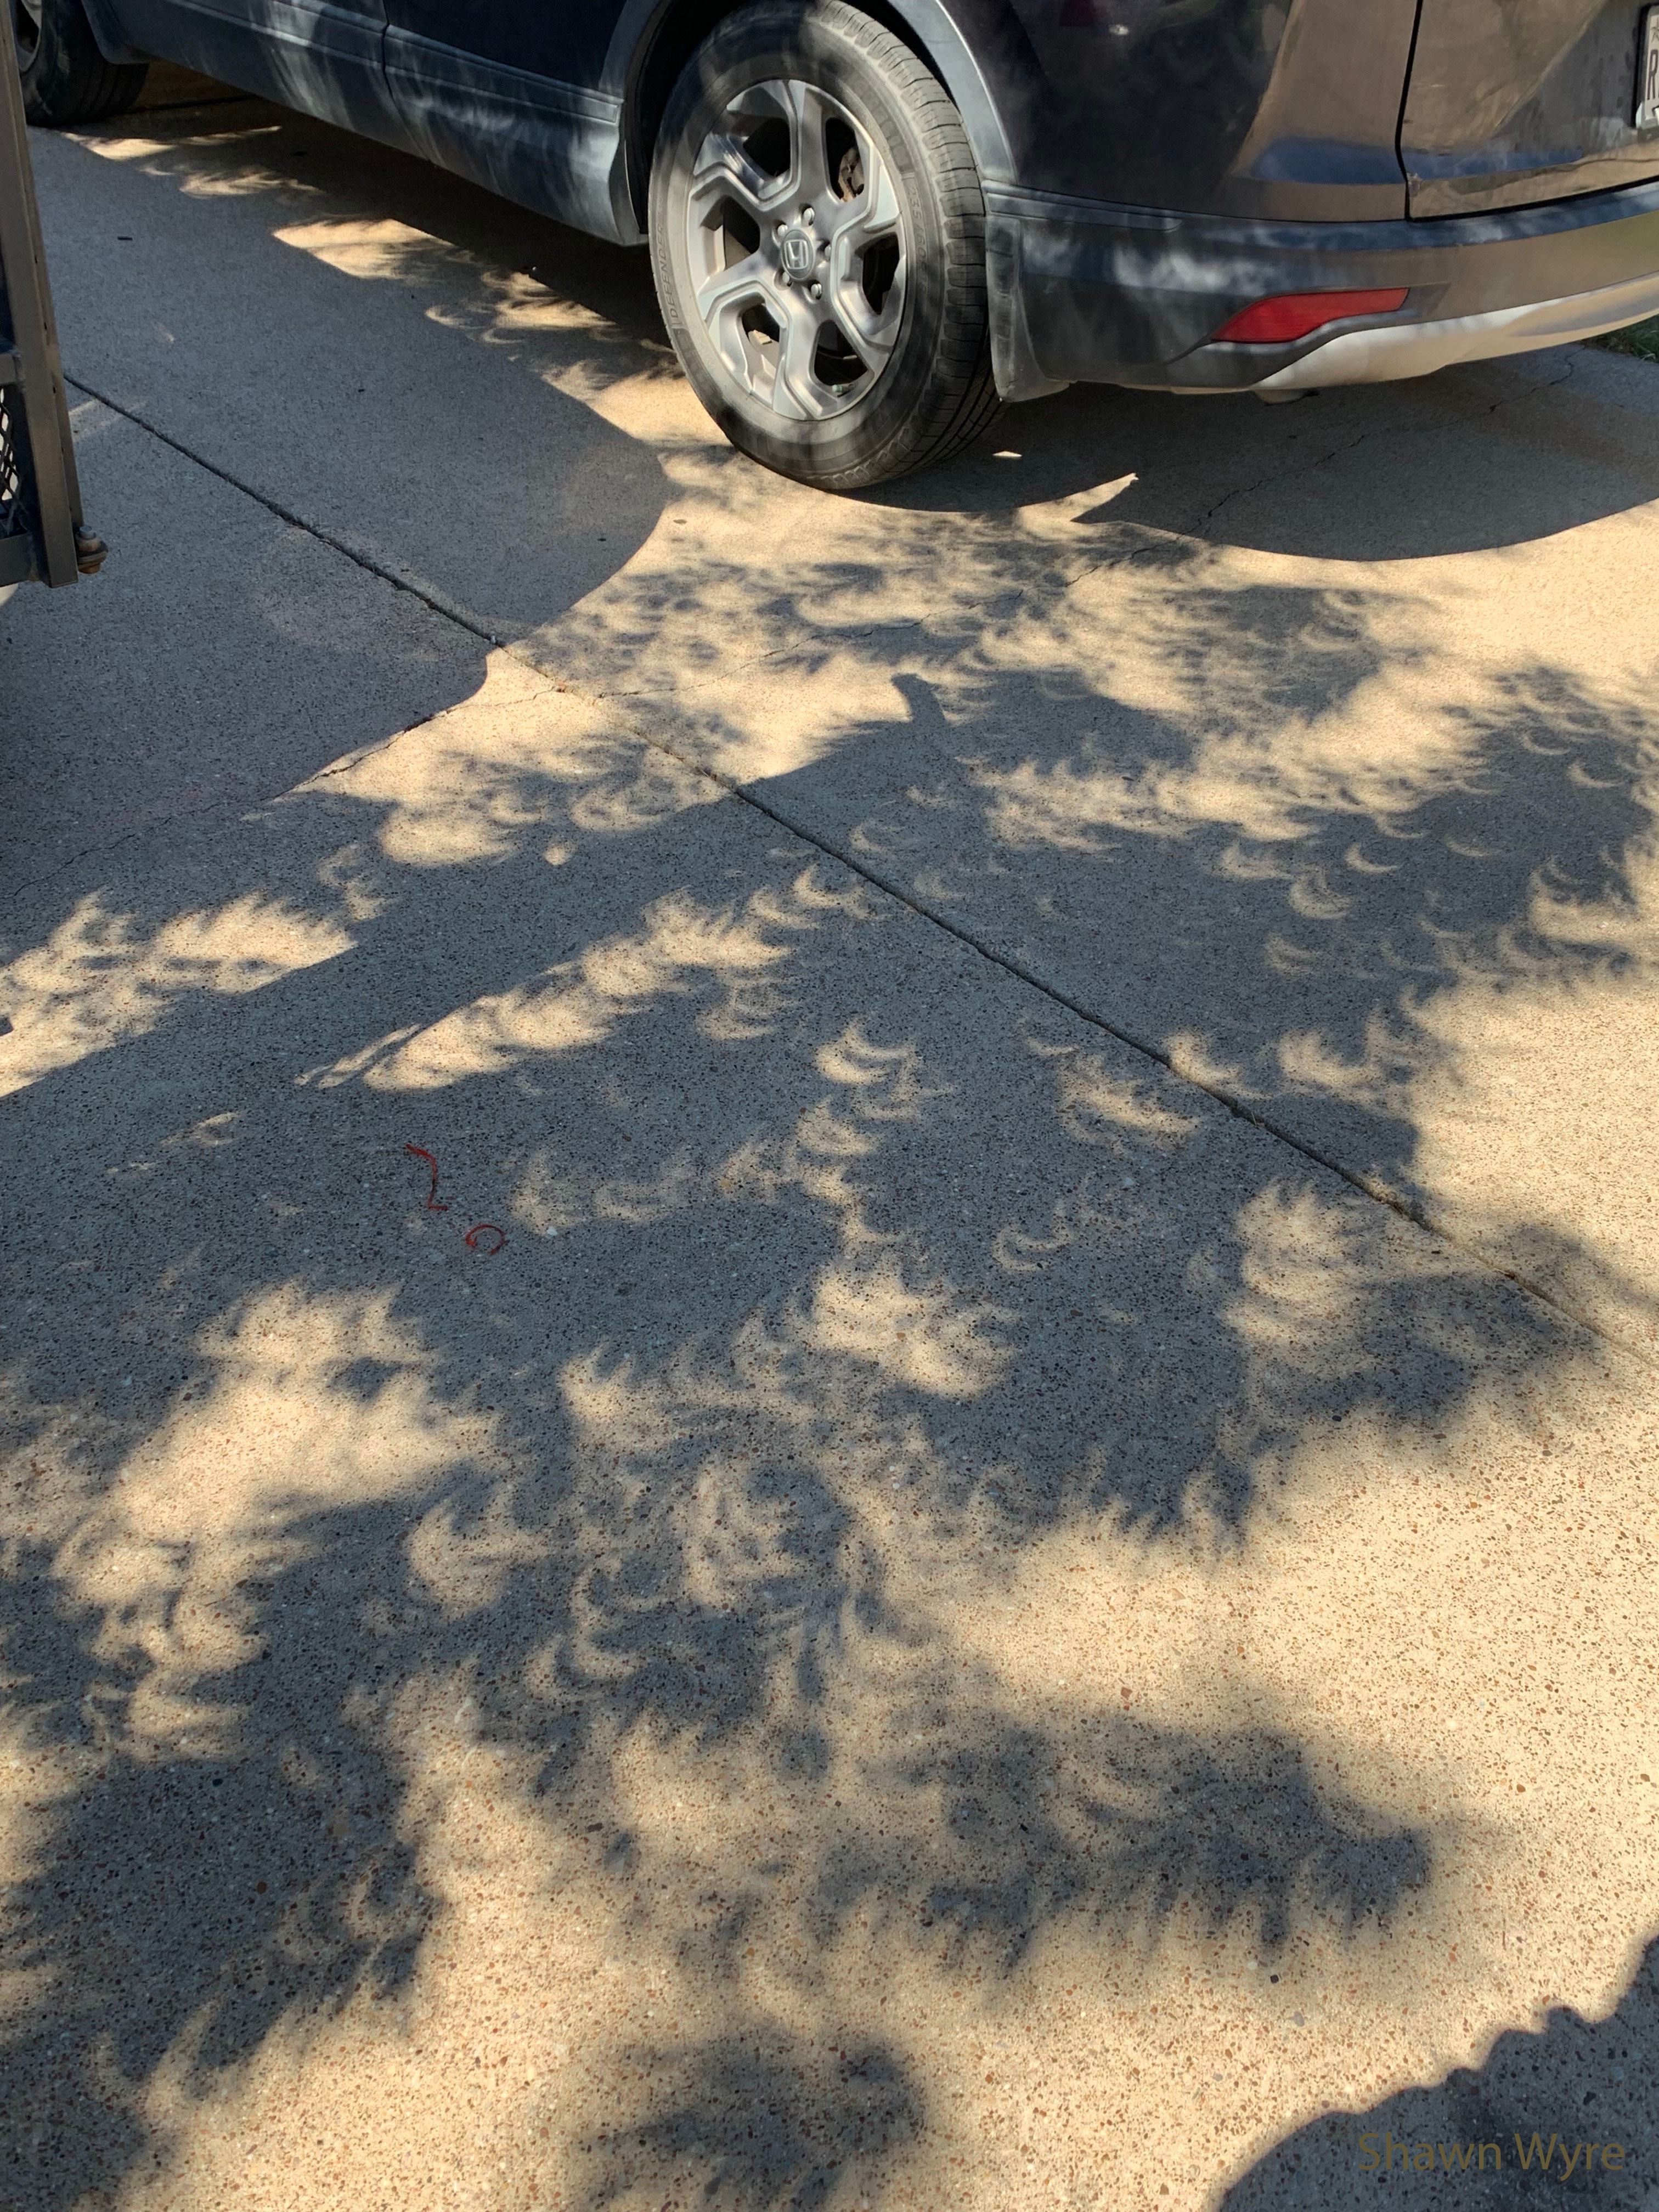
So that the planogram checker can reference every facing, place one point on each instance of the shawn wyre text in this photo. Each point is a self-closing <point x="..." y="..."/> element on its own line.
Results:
<point x="1576" y="2158"/>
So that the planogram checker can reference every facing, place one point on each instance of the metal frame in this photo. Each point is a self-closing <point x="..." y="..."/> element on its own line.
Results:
<point x="40" y="521"/>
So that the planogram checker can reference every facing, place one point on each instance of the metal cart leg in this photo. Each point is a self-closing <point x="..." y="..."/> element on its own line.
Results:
<point x="41" y="532"/>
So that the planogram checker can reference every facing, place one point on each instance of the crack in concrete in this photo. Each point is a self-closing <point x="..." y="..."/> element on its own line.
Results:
<point x="1323" y="460"/>
<point x="87" y="852"/>
<point x="1368" y="1187"/>
<point x="428" y="598"/>
<point x="286" y="515"/>
<point x="1286" y="476"/>
<point x="1550" y="384"/>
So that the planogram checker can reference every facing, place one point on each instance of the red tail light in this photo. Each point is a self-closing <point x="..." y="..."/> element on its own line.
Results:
<point x="1292" y="315"/>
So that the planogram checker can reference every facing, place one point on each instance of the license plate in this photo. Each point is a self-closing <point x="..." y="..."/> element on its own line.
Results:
<point x="1647" y="80"/>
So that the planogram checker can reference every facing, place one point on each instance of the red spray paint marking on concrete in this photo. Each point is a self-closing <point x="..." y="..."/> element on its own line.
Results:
<point x="436" y="1205"/>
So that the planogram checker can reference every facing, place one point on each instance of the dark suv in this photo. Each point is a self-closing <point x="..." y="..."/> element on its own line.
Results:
<point x="867" y="224"/>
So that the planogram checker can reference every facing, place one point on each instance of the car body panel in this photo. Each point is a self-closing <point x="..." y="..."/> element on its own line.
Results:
<point x="1149" y="167"/>
<point x="1276" y="108"/>
<point x="1246" y="107"/>
<point x="546" y="143"/>
<point x="321" y="56"/>
<point x="1512" y="102"/>
<point x="1135" y="295"/>
<point x="564" y="41"/>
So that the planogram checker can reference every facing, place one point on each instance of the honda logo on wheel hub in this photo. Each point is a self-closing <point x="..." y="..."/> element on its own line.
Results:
<point x="800" y="252"/>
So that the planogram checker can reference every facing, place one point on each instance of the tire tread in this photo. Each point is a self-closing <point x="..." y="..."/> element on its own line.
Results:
<point x="70" y="81"/>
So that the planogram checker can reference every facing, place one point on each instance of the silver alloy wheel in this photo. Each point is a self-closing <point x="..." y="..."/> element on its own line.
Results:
<point x="26" y="29"/>
<point x="796" y="245"/>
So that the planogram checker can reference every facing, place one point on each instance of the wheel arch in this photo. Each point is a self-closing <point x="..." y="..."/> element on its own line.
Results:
<point x="104" y="19"/>
<point x="654" y="39"/>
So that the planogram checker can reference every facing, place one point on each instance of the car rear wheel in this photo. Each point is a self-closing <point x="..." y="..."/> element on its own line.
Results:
<point x="65" y="78"/>
<point x="817" y="236"/>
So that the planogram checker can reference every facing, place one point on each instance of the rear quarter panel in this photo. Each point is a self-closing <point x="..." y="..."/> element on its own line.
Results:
<point x="1513" y="102"/>
<point x="1276" y="109"/>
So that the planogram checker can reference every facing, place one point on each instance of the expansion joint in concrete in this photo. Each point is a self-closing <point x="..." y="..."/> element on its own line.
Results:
<point x="1379" y="1194"/>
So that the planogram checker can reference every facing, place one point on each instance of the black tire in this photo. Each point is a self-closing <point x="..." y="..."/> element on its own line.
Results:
<point x="65" y="78"/>
<point x="915" y="383"/>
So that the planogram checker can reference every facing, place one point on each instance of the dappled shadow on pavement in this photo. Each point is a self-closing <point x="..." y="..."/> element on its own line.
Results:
<point x="890" y="1544"/>
<point x="826" y="1337"/>
<point x="1559" y="2113"/>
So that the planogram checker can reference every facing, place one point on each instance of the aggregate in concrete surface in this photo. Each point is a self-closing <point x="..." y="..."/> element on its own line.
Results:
<point x="875" y="1598"/>
<point x="1310" y="746"/>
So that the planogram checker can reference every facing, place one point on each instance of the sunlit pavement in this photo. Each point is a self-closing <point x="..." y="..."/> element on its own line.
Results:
<point x="1028" y="1578"/>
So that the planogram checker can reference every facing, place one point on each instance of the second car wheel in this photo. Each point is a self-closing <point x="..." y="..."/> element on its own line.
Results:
<point x="817" y="236"/>
<point x="65" y="78"/>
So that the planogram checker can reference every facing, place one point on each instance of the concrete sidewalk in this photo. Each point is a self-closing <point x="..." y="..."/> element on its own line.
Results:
<point x="1028" y="1578"/>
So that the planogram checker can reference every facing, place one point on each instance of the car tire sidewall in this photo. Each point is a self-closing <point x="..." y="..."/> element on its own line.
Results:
<point x="772" y="42"/>
<point x="47" y="82"/>
<point x="67" y="79"/>
<point x="43" y="73"/>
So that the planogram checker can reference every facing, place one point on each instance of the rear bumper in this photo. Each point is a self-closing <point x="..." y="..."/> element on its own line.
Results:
<point x="1087" y="294"/>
